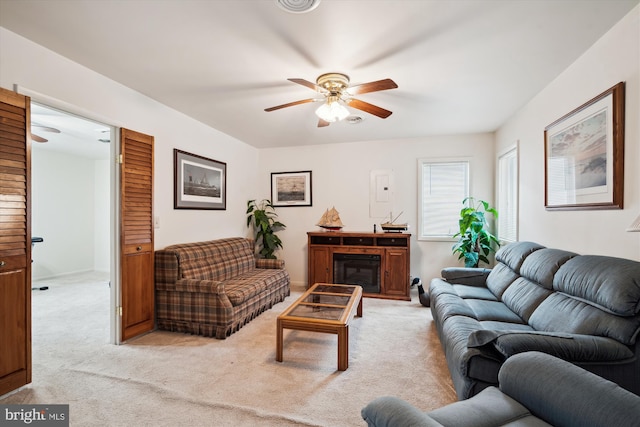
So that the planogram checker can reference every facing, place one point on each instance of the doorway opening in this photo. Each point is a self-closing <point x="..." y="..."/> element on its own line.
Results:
<point x="72" y="211"/>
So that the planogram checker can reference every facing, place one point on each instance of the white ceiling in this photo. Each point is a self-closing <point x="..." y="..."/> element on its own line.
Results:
<point x="461" y="66"/>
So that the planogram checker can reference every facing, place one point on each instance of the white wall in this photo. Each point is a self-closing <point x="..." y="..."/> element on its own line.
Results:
<point x="340" y="178"/>
<point x="72" y="87"/>
<point x="62" y="213"/>
<point x="102" y="215"/>
<point x="70" y="211"/>
<point x="614" y="58"/>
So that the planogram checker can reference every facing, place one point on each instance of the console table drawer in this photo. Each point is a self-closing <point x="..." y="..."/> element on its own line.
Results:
<point x="358" y="241"/>
<point x="393" y="241"/>
<point x="325" y="240"/>
<point x="348" y="250"/>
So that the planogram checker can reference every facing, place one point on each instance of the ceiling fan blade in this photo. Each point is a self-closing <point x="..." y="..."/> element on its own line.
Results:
<point x="290" y="104"/>
<point x="369" y="108"/>
<point x="45" y="128"/>
<point x="308" y="84"/>
<point x="372" y="87"/>
<point x="323" y="123"/>
<point x="37" y="138"/>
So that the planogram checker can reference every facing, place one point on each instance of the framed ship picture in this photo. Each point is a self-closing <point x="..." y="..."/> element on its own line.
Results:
<point x="291" y="188"/>
<point x="199" y="182"/>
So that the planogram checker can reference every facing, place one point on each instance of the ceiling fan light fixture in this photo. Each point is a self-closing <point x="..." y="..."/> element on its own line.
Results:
<point x="298" y="6"/>
<point x="332" y="111"/>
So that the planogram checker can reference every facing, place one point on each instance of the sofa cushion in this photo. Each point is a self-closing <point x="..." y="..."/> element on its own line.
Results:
<point x="561" y="312"/>
<point x="524" y="296"/>
<point x="439" y="286"/>
<point x="514" y="254"/>
<point x="472" y="362"/>
<point x="475" y="292"/>
<point x="505" y="326"/>
<point x="451" y="305"/>
<point x="492" y="310"/>
<point x="391" y="411"/>
<point x="216" y="260"/>
<point x="582" y="399"/>
<point x="491" y="408"/>
<point x="576" y="348"/>
<point x="499" y="279"/>
<point x="543" y="264"/>
<point x="251" y="283"/>
<point x="465" y="275"/>
<point x="612" y="283"/>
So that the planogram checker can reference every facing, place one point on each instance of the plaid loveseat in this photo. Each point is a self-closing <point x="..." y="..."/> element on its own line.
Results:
<point x="214" y="288"/>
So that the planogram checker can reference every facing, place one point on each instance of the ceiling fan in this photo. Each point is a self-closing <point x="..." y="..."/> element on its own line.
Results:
<point x="337" y="93"/>
<point x="38" y="138"/>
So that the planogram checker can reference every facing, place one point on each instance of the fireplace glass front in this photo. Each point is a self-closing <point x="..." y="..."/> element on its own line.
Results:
<point x="357" y="269"/>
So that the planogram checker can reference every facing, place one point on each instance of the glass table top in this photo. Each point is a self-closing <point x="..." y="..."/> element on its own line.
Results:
<point x="326" y="301"/>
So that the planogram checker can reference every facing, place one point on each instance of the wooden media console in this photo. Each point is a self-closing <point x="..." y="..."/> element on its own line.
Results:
<point x="379" y="262"/>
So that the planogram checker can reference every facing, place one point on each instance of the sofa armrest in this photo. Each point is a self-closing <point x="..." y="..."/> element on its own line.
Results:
<point x="465" y="275"/>
<point x="389" y="411"/>
<point x="571" y="347"/>
<point x="564" y="394"/>
<point x="269" y="263"/>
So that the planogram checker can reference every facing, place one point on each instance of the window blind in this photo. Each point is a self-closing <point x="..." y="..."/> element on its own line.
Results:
<point x="443" y="187"/>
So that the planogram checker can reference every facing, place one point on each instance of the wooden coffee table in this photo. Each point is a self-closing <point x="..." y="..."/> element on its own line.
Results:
<point x="326" y="308"/>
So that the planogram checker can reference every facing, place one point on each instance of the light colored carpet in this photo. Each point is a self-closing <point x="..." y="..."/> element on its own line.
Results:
<point x="175" y="379"/>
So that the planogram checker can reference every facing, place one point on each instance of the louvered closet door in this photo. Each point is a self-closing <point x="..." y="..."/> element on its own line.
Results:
<point x="136" y="235"/>
<point x="15" y="242"/>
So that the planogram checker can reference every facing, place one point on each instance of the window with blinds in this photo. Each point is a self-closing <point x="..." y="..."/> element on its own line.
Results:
<point x="508" y="196"/>
<point x="442" y="186"/>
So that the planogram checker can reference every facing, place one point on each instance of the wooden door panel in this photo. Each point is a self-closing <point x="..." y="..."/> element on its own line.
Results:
<point x="137" y="300"/>
<point x="396" y="280"/>
<point x="136" y="233"/>
<point x="13" y="356"/>
<point x="319" y="266"/>
<point x="15" y="242"/>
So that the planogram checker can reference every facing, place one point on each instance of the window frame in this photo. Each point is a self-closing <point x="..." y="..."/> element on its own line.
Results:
<point x="512" y="151"/>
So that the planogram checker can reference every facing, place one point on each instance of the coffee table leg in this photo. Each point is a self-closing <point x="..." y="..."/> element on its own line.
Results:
<point x="343" y="348"/>
<point x="359" y="310"/>
<point x="279" y="341"/>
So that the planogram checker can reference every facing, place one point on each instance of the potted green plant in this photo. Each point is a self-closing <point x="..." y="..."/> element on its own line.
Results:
<point x="262" y="215"/>
<point x="475" y="241"/>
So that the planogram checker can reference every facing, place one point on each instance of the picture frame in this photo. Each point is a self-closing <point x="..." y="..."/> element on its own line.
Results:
<point x="584" y="155"/>
<point x="291" y="189"/>
<point x="199" y="182"/>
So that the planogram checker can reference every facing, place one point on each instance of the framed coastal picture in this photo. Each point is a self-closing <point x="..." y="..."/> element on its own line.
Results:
<point x="199" y="182"/>
<point x="291" y="188"/>
<point x="584" y="155"/>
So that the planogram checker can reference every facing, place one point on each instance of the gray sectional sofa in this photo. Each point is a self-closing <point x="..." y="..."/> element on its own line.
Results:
<point x="580" y="308"/>
<point x="536" y="389"/>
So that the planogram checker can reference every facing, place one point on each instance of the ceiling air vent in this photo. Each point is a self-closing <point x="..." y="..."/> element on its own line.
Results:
<point x="298" y="6"/>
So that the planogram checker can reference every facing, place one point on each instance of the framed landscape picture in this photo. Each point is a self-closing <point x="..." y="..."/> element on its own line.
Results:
<point x="199" y="182"/>
<point x="584" y="155"/>
<point x="291" y="188"/>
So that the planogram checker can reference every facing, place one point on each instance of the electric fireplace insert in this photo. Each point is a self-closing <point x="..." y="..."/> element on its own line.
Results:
<point x="357" y="269"/>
